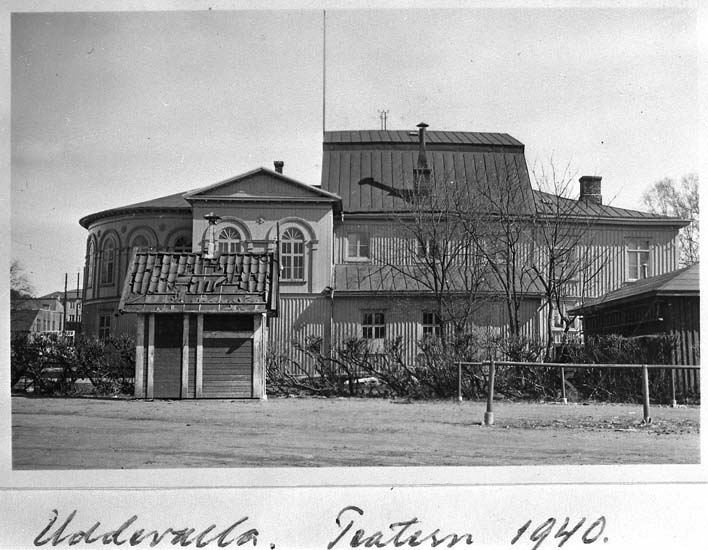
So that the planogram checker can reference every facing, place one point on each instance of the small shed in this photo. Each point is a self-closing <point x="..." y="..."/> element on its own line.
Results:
<point x="201" y="323"/>
<point x="665" y="304"/>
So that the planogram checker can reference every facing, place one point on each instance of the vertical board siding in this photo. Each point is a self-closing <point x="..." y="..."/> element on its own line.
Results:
<point x="192" y="375"/>
<point x="299" y="317"/>
<point x="228" y="368"/>
<point x="404" y="317"/>
<point x="604" y="247"/>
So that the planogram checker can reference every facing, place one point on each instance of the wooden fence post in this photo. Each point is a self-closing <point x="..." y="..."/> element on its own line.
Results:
<point x="673" y="387"/>
<point x="489" y="415"/>
<point x="645" y="393"/>
<point x="564" y="398"/>
<point x="459" y="381"/>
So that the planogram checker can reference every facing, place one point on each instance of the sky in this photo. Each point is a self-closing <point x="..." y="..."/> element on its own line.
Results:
<point x="112" y="108"/>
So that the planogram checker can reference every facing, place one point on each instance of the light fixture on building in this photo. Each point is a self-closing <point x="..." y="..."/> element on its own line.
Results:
<point x="213" y="219"/>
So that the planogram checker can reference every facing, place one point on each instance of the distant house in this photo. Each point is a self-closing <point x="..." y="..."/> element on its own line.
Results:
<point x="343" y="264"/>
<point x="72" y="306"/>
<point x="663" y="304"/>
<point x="36" y="315"/>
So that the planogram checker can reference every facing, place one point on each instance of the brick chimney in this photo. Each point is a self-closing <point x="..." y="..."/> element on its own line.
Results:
<point x="591" y="189"/>
<point x="278" y="166"/>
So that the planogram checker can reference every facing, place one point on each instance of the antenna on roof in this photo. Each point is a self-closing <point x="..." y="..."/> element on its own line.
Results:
<point x="383" y="116"/>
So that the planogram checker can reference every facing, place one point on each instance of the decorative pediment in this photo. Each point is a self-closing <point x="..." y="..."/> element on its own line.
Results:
<point x="262" y="184"/>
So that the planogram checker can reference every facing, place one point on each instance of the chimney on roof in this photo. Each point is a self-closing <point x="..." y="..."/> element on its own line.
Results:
<point x="591" y="189"/>
<point x="278" y="166"/>
<point x="422" y="172"/>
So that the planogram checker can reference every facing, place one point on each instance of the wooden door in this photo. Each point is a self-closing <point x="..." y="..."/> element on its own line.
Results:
<point x="227" y="365"/>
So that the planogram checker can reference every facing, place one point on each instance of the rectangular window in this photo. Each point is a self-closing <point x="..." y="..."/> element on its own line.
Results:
<point x="637" y="259"/>
<point x="430" y="249"/>
<point x="104" y="327"/>
<point x="292" y="259"/>
<point x="357" y="246"/>
<point x="108" y="265"/>
<point x="71" y="318"/>
<point x="431" y="324"/>
<point x="373" y="325"/>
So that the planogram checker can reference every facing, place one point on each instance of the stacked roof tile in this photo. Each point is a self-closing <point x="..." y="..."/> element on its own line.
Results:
<point x="167" y="281"/>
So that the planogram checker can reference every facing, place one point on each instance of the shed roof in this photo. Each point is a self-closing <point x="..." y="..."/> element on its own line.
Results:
<point x="189" y="282"/>
<point x="682" y="282"/>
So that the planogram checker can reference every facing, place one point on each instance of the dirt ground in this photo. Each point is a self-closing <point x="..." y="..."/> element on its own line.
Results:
<point x="50" y="433"/>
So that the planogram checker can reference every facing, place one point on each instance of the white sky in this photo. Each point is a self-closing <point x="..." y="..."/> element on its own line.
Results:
<point x="114" y="108"/>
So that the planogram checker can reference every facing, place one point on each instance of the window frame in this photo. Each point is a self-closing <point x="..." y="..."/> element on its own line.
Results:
<point x="185" y="248"/>
<point x="360" y="240"/>
<point x="373" y="324"/>
<point x="237" y="243"/>
<point x="108" y="263"/>
<point x="289" y="271"/>
<point x="431" y="326"/>
<point x="104" y="326"/>
<point x="90" y="263"/>
<point x="633" y="249"/>
<point x="137" y="237"/>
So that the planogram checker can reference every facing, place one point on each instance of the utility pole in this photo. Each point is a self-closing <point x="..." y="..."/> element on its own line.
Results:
<point x="66" y="282"/>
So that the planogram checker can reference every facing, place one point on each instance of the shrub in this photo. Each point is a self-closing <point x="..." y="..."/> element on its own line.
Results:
<point x="52" y="364"/>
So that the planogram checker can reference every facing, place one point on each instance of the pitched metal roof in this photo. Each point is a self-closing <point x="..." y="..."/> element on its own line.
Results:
<point x="188" y="282"/>
<point x="314" y="191"/>
<point x="180" y="201"/>
<point x="371" y="278"/>
<point x="172" y="202"/>
<point x="379" y="176"/>
<point x="547" y="203"/>
<point x="410" y="136"/>
<point x="682" y="282"/>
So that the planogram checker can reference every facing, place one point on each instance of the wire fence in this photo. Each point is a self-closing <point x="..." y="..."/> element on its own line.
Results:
<point x="491" y="366"/>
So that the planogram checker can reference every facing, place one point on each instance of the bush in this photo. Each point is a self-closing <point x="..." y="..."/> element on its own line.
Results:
<point x="353" y="368"/>
<point x="52" y="364"/>
<point x="619" y="384"/>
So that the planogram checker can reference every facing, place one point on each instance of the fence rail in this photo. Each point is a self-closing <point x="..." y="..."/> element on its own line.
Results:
<point x="492" y="364"/>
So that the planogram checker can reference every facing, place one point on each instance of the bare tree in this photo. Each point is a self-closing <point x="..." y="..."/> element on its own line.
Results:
<point x="670" y="198"/>
<point x="497" y="216"/>
<point x="435" y="255"/>
<point x="565" y="261"/>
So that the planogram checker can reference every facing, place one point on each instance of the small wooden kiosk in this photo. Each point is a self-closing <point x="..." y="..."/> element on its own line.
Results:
<point x="202" y="329"/>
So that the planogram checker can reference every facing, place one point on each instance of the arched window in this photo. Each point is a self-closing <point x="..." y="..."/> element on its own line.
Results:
<point x="108" y="262"/>
<point x="141" y="242"/>
<point x="292" y="255"/>
<point x="183" y="244"/>
<point x="229" y="240"/>
<point x="90" y="263"/>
